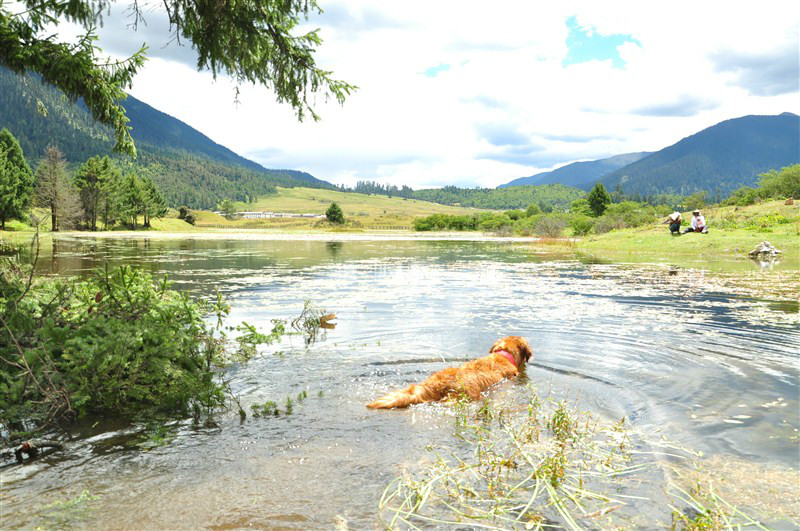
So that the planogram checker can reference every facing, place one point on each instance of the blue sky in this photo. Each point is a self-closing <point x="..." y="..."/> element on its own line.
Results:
<point x="585" y="44"/>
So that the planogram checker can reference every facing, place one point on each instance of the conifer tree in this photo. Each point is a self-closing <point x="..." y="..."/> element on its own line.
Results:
<point x="16" y="179"/>
<point x="91" y="180"/>
<point x="55" y="192"/>
<point x="599" y="199"/>
<point x="335" y="214"/>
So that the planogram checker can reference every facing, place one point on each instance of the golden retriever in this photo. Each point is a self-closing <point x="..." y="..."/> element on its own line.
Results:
<point x="506" y="358"/>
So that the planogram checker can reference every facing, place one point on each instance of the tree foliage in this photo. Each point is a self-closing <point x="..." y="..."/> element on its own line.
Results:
<point x="598" y="199"/>
<point x="55" y="192"/>
<point x="334" y="214"/>
<point x="227" y="208"/>
<point x="251" y="41"/>
<point x="780" y="184"/>
<point x="546" y="197"/>
<point x="93" y="180"/>
<point x="16" y="179"/>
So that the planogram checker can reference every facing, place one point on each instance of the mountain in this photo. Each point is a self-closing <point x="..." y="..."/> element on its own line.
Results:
<point x="579" y="173"/>
<point x="718" y="159"/>
<point x="188" y="167"/>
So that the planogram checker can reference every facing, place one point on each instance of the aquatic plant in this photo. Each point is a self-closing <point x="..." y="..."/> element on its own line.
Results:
<point x="544" y="465"/>
<point x="309" y="322"/>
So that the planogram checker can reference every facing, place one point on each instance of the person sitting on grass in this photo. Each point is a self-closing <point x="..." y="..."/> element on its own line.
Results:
<point x="698" y="223"/>
<point x="674" y="221"/>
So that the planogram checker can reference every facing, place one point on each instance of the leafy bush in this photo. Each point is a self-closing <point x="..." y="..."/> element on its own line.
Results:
<point x="190" y="218"/>
<point x="532" y="210"/>
<point x="743" y="196"/>
<point x="581" y="225"/>
<point x="492" y="222"/>
<point x="445" y="222"/>
<point x="514" y="215"/>
<point x="581" y="206"/>
<point x="119" y="342"/>
<point x="780" y="184"/>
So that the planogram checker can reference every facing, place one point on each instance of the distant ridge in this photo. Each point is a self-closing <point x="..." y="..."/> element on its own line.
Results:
<point x="189" y="168"/>
<point x="579" y="173"/>
<point x="721" y="158"/>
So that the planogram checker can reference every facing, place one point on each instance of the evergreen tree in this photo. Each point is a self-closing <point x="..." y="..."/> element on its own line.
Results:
<point x="599" y="199"/>
<point x="335" y="214"/>
<point x="54" y="191"/>
<point x="91" y="180"/>
<point x="153" y="204"/>
<point x="130" y="199"/>
<point x="254" y="42"/>
<point x="16" y="179"/>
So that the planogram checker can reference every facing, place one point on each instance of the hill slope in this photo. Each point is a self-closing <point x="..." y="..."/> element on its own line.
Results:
<point x="579" y="173"/>
<point x="188" y="167"/>
<point x="720" y="158"/>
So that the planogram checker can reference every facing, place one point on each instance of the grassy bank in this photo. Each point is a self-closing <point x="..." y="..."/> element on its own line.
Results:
<point x="733" y="231"/>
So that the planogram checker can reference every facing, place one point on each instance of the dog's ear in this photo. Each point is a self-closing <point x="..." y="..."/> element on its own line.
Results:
<point x="500" y="344"/>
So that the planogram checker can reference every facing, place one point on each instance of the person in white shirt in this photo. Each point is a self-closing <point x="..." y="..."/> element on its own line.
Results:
<point x="698" y="223"/>
<point x="674" y="220"/>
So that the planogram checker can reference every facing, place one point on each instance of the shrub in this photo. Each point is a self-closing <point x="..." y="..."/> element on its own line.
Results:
<point x="493" y="222"/>
<point x="581" y="206"/>
<point x="119" y="342"/>
<point x="743" y="196"/>
<point x="581" y="225"/>
<point x="182" y="212"/>
<point x="190" y="218"/>
<point x="550" y="226"/>
<point x="608" y="223"/>
<point x="515" y="214"/>
<point x="532" y="210"/>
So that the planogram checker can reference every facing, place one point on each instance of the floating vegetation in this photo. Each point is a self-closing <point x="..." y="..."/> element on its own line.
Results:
<point x="64" y="514"/>
<point x="270" y="408"/>
<point x="310" y="321"/>
<point x="267" y="409"/>
<point x="543" y="465"/>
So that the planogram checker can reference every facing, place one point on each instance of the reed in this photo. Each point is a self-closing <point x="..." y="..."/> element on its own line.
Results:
<point x="546" y="465"/>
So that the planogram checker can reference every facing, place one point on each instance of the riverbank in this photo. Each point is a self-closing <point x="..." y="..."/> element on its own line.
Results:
<point x="734" y="231"/>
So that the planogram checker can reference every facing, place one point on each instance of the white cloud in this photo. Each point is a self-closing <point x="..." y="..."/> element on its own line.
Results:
<point x="505" y="81"/>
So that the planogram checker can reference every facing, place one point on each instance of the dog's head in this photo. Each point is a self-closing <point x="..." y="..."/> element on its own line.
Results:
<point x="516" y="346"/>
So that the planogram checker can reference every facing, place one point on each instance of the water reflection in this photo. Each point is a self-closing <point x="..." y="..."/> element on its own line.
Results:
<point x="675" y="352"/>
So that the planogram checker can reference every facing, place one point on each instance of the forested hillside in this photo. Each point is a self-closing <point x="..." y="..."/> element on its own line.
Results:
<point x="548" y="197"/>
<point x="718" y="159"/>
<point x="581" y="174"/>
<point x="188" y="167"/>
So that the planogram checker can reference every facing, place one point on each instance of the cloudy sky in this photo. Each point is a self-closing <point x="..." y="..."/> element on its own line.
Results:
<point x="476" y="93"/>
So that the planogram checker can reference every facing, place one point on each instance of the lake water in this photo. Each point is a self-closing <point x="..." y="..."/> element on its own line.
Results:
<point x="678" y="354"/>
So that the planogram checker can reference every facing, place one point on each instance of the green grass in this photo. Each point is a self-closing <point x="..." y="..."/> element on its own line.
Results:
<point x="732" y="231"/>
<point x="367" y="210"/>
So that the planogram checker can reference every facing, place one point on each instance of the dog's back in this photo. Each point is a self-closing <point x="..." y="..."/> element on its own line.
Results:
<point x="505" y="359"/>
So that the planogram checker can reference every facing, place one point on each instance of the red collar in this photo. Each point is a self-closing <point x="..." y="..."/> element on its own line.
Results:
<point x="507" y="356"/>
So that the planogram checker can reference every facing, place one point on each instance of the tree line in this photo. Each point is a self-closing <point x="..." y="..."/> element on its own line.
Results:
<point x="100" y="192"/>
<point x="547" y="197"/>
